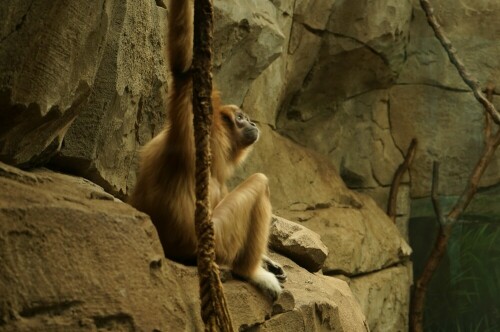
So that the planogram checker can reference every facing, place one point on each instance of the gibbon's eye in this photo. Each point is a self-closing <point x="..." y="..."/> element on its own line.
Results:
<point x="227" y="118"/>
<point x="239" y="117"/>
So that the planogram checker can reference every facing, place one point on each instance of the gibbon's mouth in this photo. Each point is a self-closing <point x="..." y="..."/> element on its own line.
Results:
<point x="250" y="136"/>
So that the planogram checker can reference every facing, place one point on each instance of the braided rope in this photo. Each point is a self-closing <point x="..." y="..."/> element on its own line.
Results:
<point x="214" y="310"/>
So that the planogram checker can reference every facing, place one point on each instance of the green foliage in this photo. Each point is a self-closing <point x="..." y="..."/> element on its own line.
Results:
<point x="464" y="295"/>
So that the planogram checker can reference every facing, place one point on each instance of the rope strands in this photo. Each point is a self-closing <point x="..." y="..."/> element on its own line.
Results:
<point x="214" y="310"/>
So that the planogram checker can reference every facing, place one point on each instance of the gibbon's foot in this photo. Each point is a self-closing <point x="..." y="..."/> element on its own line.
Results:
<point x="274" y="268"/>
<point x="267" y="283"/>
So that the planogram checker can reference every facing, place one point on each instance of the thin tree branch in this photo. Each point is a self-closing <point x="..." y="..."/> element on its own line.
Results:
<point x="452" y="54"/>
<point x="420" y="290"/>
<point x="398" y="176"/>
<point x="435" y="194"/>
<point x="487" y="127"/>
<point x="473" y="183"/>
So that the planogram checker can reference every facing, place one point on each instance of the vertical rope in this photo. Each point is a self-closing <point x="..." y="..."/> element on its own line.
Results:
<point x="214" y="310"/>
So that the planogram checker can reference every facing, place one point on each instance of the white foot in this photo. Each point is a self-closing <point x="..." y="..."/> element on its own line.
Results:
<point x="267" y="282"/>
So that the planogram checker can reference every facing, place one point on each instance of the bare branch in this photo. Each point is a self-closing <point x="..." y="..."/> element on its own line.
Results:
<point x="473" y="183"/>
<point x="488" y="124"/>
<point x="435" y="193"/>
<point x="452" y="54"/>
<point x="398" y="176"/>
<point x="422" y="283"/>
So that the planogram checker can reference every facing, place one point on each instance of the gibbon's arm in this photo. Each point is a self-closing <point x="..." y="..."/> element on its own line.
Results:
<point x="180" y="36"/>
<point x="180" y="144"/>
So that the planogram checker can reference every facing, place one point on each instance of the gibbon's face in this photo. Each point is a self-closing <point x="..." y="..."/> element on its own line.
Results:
<point x="244" y="131"/>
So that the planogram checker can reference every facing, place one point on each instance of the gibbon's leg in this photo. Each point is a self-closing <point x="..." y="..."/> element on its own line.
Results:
<point x="274" y="268"/>
<point x="241" y="221"/>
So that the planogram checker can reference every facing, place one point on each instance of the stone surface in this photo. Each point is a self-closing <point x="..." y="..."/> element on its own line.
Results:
<point x="126" y="106"/>
<point x="320" y="305"/>
<point x="247" y="39"/>
<point x="49" y="56"/>
<point x="359" y="240"/>
<point x="76" y="259"/>
<point x="385" y="297"/>
<point x="434" y="121"/>
<point x="99" y="63"/>
<point x="358" y="56"/>
<point x="300" y="244"/>
<point x="359" y="235"/>
<point x="471" y="27"/>
<point x="363" y="122"/>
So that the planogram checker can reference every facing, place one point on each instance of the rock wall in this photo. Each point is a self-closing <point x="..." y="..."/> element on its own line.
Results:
<point x="380" y="78"/>
<point x="93" y="73"/>
<point x="337" y="87"/>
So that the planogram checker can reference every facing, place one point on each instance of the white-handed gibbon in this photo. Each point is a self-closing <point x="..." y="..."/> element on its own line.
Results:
<point x="165" y="187"/>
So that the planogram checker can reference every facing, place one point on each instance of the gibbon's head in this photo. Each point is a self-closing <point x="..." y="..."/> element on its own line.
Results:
<point x="242" y="131"/>
<point x="233" y="135"/>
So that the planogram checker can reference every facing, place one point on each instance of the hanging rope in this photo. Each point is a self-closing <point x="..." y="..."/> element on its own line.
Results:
<point x="214" y="310"/>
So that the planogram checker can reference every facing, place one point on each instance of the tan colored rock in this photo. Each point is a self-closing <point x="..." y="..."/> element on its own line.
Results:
<point x="298" y="178"/>
<point x="385" y="297"/>
<point x="126" y="106"/>
<point x="403" y="204"/>
<point x="321" y="304"/>
<point x="434" y="121"/>
<point x="434" y="104"/>
<point x="76" y="259"/>
<point x="49" y="57"/>
<point x="359" y="240"/>
<point x="360" y="51"/>
<point x="472" y="28"/>
<point x="298" y="243"/>
<point x="361" y="147"/>
<point x="305" y="188"/>
<point x="382" y="26"/>
<point x="247" y="39"/>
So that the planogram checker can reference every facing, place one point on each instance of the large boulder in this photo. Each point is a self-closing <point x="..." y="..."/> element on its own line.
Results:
<point x="76" y="259"/>
<point x="299" y="243"/>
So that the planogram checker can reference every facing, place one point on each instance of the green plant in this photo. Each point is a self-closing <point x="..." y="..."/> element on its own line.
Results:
<point x="465" y="295"/>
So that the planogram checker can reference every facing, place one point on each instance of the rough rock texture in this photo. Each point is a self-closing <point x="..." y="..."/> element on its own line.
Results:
<point x="451" y="130"/>
<point x="360" y="237"/>
<point x="102" y="62"/>
<point x="385" y="297"/>
<point x="370" y="89"/>
<point x="126" y="106"/>
<point x="300" y="244"/>
<point x="76" y="259"/>
<point x="247" y="39"/>
<point x="49" y="56"/>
